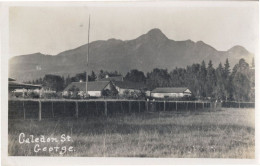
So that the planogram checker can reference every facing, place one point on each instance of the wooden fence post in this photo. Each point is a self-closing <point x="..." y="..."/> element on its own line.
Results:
<point x="164" y="106"/>
<point x="113" y="107"/>
<point x="77" y="109"/>
<point x="129" y="106"/>
<point x="187" y="105"/>
<point x="23" y="92"/>
<point x="202" y="105"/>
<point x="105" y="108"/>
<point x="87" y="107"/>
<point x="40" y="110"/>
<point x="96" y="107"/>
<point x="195" y="105"/>
<point x="52" y="109"/>
<point x="23" y="111"/>
<point x="122" y="110"/>
<point x="64" y="106"/>
<point x="146" y="106"/>
<point x="139" y="106"/>
<point x="176" y="108"/>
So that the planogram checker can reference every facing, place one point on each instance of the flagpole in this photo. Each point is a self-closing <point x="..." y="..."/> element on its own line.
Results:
<point x="87" y="58"/>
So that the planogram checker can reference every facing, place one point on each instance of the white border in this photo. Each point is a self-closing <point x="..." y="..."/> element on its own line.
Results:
<point x="4" y="48"/>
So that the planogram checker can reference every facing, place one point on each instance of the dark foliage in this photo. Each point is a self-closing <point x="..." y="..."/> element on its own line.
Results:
<point x="135" y="76"/>
<point x="205" y="82"/>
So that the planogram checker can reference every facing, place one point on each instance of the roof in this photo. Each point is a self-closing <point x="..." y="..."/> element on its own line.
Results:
<point x="169" y="90"/>
<point x="92" y="85"/>
<point x="115" y="78"/>
<point x="18" y="85"/>
<point x="129" y="85"/>
<point x="11" y="79"/>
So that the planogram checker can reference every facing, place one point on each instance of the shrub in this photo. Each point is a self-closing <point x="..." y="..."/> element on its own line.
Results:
<point x="33" y="95"/>
<point x="109" y="93"/>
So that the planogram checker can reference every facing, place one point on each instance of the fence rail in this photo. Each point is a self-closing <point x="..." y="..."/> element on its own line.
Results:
<point x="235" y="104"/>
<point x="42" y="109"/>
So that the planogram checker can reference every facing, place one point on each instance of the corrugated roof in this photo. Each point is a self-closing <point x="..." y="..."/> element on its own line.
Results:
<point x="129" y="85"/>
<point x="170" y="90"/>
<point x="18" y="85"/>
<point x="92" y="86"/>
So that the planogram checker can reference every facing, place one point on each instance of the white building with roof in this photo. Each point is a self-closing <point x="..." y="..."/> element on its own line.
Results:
<point x="171" y="92"/>
<point x="95" y="88"/>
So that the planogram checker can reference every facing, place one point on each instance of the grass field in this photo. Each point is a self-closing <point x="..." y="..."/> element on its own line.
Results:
<point x="226" y="133"/>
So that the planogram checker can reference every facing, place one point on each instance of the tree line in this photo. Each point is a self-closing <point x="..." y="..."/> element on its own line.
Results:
<point x="205" y="81"/>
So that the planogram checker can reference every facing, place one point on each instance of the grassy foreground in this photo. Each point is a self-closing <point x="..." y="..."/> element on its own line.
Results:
<point x="228" y="133"/>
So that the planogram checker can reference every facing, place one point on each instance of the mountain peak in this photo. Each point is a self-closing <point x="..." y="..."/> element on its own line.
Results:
<point x="156" y="33"/>
<point x="113" y="40"/>
<point x="238" y="49"/>
<point x="200" y="42"/>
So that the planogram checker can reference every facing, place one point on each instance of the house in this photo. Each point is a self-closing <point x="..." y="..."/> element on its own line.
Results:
<point x="123" y="86"/>
<point x="114" y="78"/>
<point x="170" y="92"/>
<point x="95" y="88"/>
<point x="17" y="89"/>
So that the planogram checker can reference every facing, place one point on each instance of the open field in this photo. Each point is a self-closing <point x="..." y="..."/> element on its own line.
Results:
<point x="226" y="133"/>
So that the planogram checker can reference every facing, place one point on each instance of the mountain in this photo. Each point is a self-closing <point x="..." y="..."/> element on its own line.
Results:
<point x="146" y="52"/>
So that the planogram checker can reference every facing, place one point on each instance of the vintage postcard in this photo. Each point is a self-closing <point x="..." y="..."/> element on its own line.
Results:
<point x="129" y="82"/>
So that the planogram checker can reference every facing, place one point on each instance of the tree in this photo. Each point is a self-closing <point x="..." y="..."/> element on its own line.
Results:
<point x="210" y="80"/>
<point x="53" y="82"/>
<point x="102" y="74"/>
<point x="158" y="78"/>
<point x="241" y="81"/>
<point x="226" y="69"/>
<point x="178" y="77"/>
<point x="92" y="77"/>
<point x="219" y="91"/>
<point x="202" y="79"/>
<point x="192" y="78"/>
<point x="79" y="77"/>
<point x="135" y="76"/>
<point x="67" y="81"/>
<point x="227" y="80"/>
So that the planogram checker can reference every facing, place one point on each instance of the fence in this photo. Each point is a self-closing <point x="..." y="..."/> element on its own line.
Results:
<point x="234" y="104"/>
<point x="42" y="109"/>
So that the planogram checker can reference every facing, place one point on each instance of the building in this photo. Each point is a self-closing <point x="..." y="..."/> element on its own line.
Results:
<point x="95" y="88"/>
<point x="170" y="92"/>
<point x="14" y="85"/>
<point x="17" y="89"/>
<point x="123" y="86"/>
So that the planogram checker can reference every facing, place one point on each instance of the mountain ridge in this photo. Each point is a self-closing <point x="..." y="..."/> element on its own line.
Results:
<point x="150" y="50"/>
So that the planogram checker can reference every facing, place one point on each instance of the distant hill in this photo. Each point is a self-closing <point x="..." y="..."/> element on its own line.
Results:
<point x="146" y="52"/>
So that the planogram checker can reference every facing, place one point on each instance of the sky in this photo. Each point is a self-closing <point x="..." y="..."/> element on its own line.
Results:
<point x="51" y="29"/>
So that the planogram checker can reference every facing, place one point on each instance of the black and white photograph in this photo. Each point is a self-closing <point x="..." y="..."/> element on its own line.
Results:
<point x="129" y="80"/>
